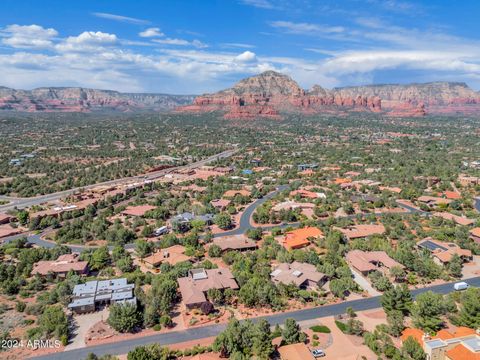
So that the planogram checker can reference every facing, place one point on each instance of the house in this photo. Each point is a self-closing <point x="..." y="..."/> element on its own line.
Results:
<point x="431" y="180"/>
<point x="452" y="195"/>
<point x="340" y="181"/>
<point x="433" y="201"/>
<point x="232" y="193"/>
<point x="5" y="218"/>
<point x="302" y="275"/>
<point x="235" y="242"/>
<point x="308" y="172"/>
<point x="442" y="252"/>
<point x="306" y="194"/>
<point x="220" y="204"/>
<point x="224" y="169"/>
<point x="292" y="205"/>
<point x="56" y="211"/>
<point x="8" y="230"/>
<point x="460" y="220"/>
<point x="89" y="296"/>
<point x="62" y="266"/>
<point x="369" y="261"/>
<point x="171" y="255"/>
<point x="475" y="235"/>
<point x="187" y="217"/>
<point x="362" y="231"/>
<point x="461" y="344"/>
<point x="299" y="238"/>
<point x="466" y="180"/>
<point x="393" y="189"/>
<point x="303" y="167"/>
<point x="139" y="210"/>
<point x="194" y="286"/>
<point x="298" y="351"/>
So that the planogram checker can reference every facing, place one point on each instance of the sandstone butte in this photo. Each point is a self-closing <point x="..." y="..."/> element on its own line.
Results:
<point x="271" y="93"/>
<point x="266" y="95"/>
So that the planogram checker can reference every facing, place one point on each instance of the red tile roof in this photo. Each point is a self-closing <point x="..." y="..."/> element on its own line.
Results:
<point x="299" y="238"/>
<point x="139" y="210"/>
<point x="64" y="264"/>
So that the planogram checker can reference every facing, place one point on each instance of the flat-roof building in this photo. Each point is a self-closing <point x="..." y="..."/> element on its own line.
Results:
<point x="88" y="296"/>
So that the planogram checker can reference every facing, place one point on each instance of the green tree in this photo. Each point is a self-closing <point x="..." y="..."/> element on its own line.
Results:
<point x="398" y="273"/>
<point x="455" y="266"/>
<point x="397" y="298"/>
<point x="262" y="346"/>
<point x="124" y="317"/>
<point x="53" y="322"/>
<point x="411" y="349"/>
<point x="291" y="333"/>
<point x="100" y="258"/>
<point x="427" y="311"/>
<point x="255" y="234"/>
<point x="469" y="314"/>
<point x="223" y="221"/>
<point x="143" y="248"/>
<point x="395" y="322"/>
<point x="150" y="352"/>
<point x="235" y="339"/>
<point x="214" y="251"/>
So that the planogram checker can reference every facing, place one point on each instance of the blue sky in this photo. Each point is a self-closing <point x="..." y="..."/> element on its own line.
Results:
<point x="192" y="47"/>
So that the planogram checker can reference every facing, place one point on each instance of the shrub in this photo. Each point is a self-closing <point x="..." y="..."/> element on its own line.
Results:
<point x="341" y="326"/>
<point x="20" y="306"/>
<point x="320" y="329"/>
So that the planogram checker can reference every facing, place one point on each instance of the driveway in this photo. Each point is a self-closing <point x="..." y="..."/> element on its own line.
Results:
<point x="202" y="332"/>
<point x="364" y="283"/>
<point x="472" y="268"/>
<point x="81" y="324"/>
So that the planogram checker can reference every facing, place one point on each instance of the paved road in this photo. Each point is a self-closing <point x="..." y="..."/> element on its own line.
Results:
<point x="21" y="203"/>
<point x="243" y="227"/>
<point x="476" y="204"/>
<point x="174" y="337"/>
<point x="246" y="215"/>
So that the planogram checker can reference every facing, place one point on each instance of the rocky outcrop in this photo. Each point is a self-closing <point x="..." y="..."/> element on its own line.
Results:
<point x="271" y="93"/>
<point x="86" y="100"/>
<point x="268" y="94"/>
<point x="433" y="98"/>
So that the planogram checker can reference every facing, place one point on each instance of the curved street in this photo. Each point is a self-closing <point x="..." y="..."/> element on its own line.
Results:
<point x="118" y="348"/>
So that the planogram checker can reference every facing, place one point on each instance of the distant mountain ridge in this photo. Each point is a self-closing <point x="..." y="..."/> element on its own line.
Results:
<point x="270" y="93"/>
<point x="77" y="99"/>
<point x="265" y="95"/>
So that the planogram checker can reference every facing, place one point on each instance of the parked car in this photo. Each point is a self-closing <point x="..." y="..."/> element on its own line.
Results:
<point x="161" y="231"/>
<point x="318" y="353"/>
<point x="461" y="286"/>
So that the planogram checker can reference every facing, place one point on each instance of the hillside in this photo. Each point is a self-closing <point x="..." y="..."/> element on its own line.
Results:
<point x="270" y="93"/>
<point x="69" y="99"/>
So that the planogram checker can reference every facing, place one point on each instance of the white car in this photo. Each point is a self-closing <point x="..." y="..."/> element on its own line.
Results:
<point x="318" y="353"/>
<point x="461" y="286"/>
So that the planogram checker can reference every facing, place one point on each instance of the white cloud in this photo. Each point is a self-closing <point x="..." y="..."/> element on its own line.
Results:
<point x="181" y="42"/>
<point x="263" y="4"/>
<point x="305" y="28"/>
<point x="121" y="18"/>
<point x="246" y="57"/>
<point x="28" y="36"/>
<point x="238" y="45"/>
<point x="151" y="32"/>
<point x="87" y="41"/>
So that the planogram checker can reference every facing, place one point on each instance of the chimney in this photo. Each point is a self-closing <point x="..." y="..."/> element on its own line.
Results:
<point x="165" y="254"/>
